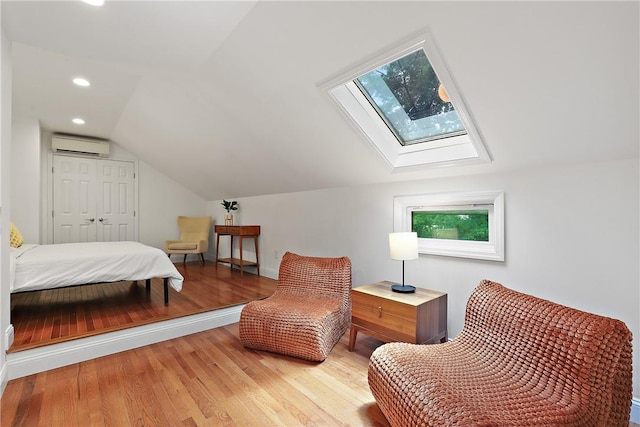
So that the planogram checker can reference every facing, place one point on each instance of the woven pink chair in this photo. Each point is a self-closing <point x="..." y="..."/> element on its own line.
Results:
<point x="308" y="312"/>
<point x="519" y="361"/>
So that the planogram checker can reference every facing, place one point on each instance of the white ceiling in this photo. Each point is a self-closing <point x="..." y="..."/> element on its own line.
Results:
<point x="223" y="96"/>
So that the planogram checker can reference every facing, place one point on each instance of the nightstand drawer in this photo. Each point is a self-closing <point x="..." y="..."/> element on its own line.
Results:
<point x="372" y="307"/>
<point x="418" y="317"/>
<point x="238" y="230"/>
<point x="384" y="322"/>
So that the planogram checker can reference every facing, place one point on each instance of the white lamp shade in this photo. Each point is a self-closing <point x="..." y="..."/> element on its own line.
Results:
<point x="403" y="246"/>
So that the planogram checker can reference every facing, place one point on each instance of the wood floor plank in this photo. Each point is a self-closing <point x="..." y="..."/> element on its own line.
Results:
<point x="112" y="396"/>
<point x="89" y="394"/>
<point x="262" y="400"/>
<point x="270" y="394"/>
<point x="32" y="413"/>
<point x="16" y="405"/>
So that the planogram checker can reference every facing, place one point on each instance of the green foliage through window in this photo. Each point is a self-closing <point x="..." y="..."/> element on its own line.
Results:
<point x="453" y="224"/>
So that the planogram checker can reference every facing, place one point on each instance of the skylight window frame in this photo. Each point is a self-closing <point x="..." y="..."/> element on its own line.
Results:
<point x="356" y="107"/>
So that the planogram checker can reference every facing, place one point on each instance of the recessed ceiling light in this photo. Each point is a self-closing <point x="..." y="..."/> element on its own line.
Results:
<point x="81" y="82"/>
<point x="78" y="121"/>
<point x="94" y="2"/>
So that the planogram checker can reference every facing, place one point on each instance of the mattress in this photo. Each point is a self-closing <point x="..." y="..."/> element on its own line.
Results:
<point x="38" y="267"/>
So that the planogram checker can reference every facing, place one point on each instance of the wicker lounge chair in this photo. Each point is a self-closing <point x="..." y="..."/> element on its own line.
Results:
<point x="307" y="314"/>
<point x="519" y="361"/>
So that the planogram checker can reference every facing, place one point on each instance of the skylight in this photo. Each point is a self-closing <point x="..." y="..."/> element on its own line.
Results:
<point x="409" y="97"/>
<point x="406" y="103"/>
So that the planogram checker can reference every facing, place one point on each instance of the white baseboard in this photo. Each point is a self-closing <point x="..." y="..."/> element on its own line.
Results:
<point x="29" y="362"/>
<point x="269" y="272"/>
<point x="635" y="410"/>
<point x="8" y="337"/>
<point x="4" y="378"/>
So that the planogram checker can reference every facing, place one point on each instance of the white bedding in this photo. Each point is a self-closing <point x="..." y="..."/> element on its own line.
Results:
<point x="37" y="267"/>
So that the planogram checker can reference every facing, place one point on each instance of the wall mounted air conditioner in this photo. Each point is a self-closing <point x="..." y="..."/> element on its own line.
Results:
<point x="79" y="145"/>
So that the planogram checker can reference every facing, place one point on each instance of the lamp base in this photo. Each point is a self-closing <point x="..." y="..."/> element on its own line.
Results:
<point x="405" y="289"/>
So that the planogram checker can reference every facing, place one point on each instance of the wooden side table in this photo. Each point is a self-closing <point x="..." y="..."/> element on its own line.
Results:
<point x="417" y="318"/>
<point x="242" y="232"/>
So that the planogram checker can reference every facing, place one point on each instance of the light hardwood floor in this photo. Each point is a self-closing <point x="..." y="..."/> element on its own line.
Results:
<point x="205" y="379"/>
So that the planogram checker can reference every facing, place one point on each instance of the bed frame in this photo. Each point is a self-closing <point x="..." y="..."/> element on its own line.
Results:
<point x="147" y="287"/>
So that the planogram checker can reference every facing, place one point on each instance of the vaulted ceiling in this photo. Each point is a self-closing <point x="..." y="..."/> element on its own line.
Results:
<point x="223" y="97"/>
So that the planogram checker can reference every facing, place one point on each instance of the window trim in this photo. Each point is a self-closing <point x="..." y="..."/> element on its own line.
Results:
<point x="493" y="250"/>
<point x="354" y="105"/>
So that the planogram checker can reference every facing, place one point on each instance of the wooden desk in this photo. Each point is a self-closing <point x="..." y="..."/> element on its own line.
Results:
<point x="418" y="318"/>
<point x="242" y="232"/>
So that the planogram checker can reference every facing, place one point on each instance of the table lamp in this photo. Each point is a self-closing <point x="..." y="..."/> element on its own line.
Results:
<point x="403" y="246"/>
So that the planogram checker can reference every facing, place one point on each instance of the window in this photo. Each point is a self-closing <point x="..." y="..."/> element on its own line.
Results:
<point x="406" y="103"/>
<point x="409" y="97"/>
<point x="468" y="225"/>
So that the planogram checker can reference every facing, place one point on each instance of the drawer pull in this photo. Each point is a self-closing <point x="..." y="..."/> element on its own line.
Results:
<point x="379" y="311"/>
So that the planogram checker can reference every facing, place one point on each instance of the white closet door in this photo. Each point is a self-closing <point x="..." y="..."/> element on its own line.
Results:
<point x="115" y="204"/>
<point x="74" y="199"/>
<point x="93" y="200"/>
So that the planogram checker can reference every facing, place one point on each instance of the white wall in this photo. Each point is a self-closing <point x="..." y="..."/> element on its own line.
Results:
<point x="571" y="237"/>
<point x="5" y="193"/>
<point x="25" y="192"/>
<point x="162" y="200"/>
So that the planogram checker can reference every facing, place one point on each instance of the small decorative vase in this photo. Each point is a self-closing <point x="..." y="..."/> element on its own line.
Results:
<point x="228" y="219"/>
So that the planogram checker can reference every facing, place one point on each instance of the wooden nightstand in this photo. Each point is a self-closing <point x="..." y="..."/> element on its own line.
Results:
<point x="417" y="318"/>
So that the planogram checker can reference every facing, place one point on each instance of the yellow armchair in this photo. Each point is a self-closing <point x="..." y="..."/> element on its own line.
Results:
<point x="194" y="237"/>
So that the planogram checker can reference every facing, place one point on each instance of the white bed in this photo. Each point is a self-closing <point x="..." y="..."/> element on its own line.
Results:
<point x="39" y="267"/>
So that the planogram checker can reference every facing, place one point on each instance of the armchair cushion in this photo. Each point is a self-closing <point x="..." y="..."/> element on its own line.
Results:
<point x="181" y="246"/>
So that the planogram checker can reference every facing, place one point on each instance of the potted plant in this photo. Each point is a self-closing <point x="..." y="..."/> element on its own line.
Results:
<point x="229" y="206"/>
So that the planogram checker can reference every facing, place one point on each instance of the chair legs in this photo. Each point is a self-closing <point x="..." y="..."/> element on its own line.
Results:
<point x="184" y="260"/>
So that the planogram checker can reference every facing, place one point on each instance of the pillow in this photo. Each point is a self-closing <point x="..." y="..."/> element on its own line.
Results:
<point x="15" y="238"/>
